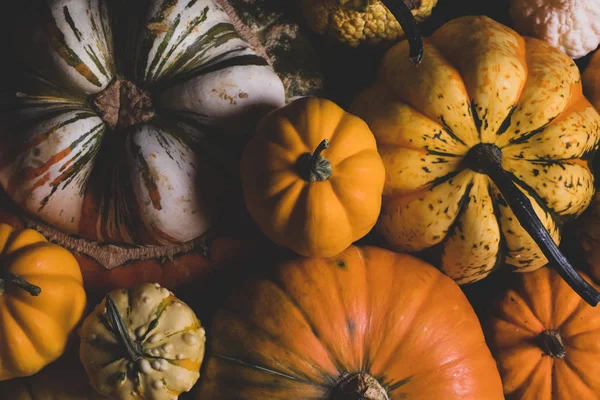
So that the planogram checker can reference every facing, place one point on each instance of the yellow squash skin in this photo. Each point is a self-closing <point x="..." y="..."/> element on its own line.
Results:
<point x="169" y="334"/>
<point x="479" y="82"/>
<point x="320" y="218"/>
<point x="34" y="329"/>
<point x="360" y="21"/>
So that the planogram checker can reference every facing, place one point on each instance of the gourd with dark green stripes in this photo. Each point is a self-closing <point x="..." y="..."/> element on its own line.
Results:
<point x="126" y="117"/>
<point x="486" y="146"/>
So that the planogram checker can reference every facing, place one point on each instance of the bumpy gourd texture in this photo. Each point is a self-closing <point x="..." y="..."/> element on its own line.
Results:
<point x="172" y="340"/>
<point x="570" y="25"/>
<point x="479" y="82"/>
<point x="313" y="218"/>
<point x="355" y="22"/>
<point x="151" y="183"/>
<point x="34" y="329"/>
<point x="542" y="301"/>
<point x="365" y="310"/>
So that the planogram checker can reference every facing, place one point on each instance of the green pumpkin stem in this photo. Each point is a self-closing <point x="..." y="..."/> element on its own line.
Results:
<point x="407" y="21"/>
<point x="20" y="282"/>
<point x="116" y="321"/>
<point x="551" y="343"/>
<point x="487" y="158"/>
<point x="314" y="167"/>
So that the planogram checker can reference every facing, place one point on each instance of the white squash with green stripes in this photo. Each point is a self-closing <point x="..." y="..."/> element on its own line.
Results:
<point x="121" y="132"/>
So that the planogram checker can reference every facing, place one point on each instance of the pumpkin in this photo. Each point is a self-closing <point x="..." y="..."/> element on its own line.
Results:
<point x="41" y="301"/>
<point x="124" y="150"/>
<point x="366" y="21"/>
<point x="64" y="379"/>
<point x="486" y="147"/>
<point x="193" y="266"/>
<point x="312" y="178"/>
<point x="545" y="340"/>
<point x="142" y="343"/>
<point x="368" y="322"/>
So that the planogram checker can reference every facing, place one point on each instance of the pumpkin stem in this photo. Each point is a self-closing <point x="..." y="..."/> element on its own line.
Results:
<point x="20" y="282"/>
<point x="314" y="167"/>
<point x="116" y="321"/>
<point x="551" y="343"/>
<point x="486" y="158"/>
<point x="122" y="104"/>
<point x="359" y="386"/>
<point x="407" y="21"/>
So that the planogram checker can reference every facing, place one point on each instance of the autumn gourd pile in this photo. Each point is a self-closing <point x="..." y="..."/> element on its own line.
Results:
<point x="155" y="153"/>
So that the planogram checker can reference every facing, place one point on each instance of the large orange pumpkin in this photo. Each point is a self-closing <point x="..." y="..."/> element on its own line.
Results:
<point x="546" y="340"/>
<point x="486" y="146"/>
<point x="366" y="324"/>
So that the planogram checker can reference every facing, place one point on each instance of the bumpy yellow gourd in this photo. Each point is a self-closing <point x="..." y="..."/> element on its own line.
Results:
<point x="41" y="300"/>
<point x="142" y="344"/>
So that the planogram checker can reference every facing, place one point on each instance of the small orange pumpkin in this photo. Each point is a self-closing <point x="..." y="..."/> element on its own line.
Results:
<point x="546" y="340"/>
<point x="312" y="177"/>
<point x="367" y="324"/>
<point x="41" y="301"/>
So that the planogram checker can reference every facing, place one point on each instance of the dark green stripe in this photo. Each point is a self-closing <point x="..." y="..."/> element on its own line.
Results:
<point x="90" y="52"/>
<point x="162" y="47"/>
<point x="71" y="23"/>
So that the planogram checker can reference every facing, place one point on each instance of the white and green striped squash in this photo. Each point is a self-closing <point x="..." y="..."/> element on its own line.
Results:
<point x="120" y="128"/>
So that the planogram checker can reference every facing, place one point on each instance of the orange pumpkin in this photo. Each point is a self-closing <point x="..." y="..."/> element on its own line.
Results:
<point x="312" y="177"/>
<point x="368" y="323"/>
<point x="41" y="301"/>
<point x="190" y="264"/>
<point x="546" y="340"/>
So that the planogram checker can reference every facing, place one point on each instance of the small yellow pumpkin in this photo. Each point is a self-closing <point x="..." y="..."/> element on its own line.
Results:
<point x="41" y="300"/>
<point x="312" y="177"/>
<point x="142" y="343"/>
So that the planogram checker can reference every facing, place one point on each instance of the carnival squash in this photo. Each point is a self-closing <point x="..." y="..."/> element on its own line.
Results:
<point x="486" y="147"/>
<point x="41" y="301"/>
<point x="142" y="343"/>
<point x="368" y="323"/>
<point x="126" y="130"/>
<point x="545" y="339"/>
<point x="312" y="177"/>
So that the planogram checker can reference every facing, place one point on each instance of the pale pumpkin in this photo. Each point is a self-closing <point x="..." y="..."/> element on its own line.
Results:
<point x="367" y="324"/>
<point x="142" y="343"/>
<point x="486" y="147"/>
<point x="545" y="340"/>
<point x="127" y="128"/>
<point x="312" y="177"/>
<point x="41" y="301"/>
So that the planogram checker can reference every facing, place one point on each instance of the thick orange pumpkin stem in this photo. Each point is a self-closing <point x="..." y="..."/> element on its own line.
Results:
<point x="551" y="343"/>
<point x="134" y="349"/>
<point x="20" y="282"/>
<point x="407" y="21"/>
<point x="486" y="158"/>
<point x="360" y="386"/>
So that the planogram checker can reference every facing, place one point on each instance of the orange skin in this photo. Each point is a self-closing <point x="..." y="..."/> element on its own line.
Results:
<point x="174" y="274"/>
<point x="34" y="329"/>
<point x="542" y="301"/>
<point x="318" y="218"/>
<point x="367" y="309"/>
